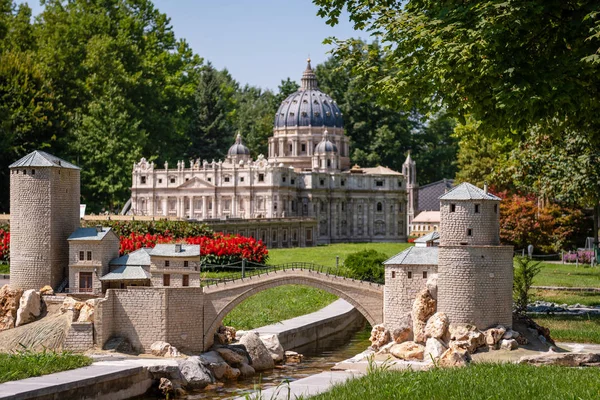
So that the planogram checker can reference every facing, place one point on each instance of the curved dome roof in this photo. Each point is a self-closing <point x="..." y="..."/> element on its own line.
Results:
<point x="309" y="106"/>
<point x="238" y="147"/>
<point x="325" y="146"/>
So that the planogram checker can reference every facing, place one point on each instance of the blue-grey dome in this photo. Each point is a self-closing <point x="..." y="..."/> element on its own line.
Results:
<point x="309" y="106"/>
<point x="325" y="146"/>
<point x="238" y="147"/>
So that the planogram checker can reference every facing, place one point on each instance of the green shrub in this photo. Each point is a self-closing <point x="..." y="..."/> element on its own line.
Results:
<point x="525" y="270"/>
<point x="176" y="229"/>
<point x="366" y="265"/>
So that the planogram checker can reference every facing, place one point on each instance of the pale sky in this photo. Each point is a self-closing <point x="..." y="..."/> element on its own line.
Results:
<point x="260" y="42"/>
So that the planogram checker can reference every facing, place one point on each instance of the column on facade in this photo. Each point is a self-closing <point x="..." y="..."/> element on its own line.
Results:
<point x="165" y="203"/>
<point x="214" y="213"/>
<point x="191" y="206"/>
<point x="204" y="207"/>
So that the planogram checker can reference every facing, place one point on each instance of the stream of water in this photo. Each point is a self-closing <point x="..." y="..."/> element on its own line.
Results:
<point x="322" y="356"/>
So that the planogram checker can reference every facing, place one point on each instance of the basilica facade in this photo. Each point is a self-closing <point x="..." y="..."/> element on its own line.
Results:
<point x="305" y="186"/>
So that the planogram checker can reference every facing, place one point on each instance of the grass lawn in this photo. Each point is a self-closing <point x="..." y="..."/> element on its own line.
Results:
<point x="277" y="304"/>
<point x="28" y="364"/>
<point x="564" y="297"/>
<point x="4" y="268"/>
<point x="325" y="255"/>
<point x="569" y="328"/>
<point x="478" y="381"/>
<point x="567" y="275"/>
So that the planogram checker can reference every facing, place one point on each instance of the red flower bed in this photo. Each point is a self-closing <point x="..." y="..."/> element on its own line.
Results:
<point x="219" y="249"/>
<point x="4" y="244"/>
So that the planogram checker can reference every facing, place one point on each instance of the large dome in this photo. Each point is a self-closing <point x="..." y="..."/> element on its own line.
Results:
<point x="309" y="106"/>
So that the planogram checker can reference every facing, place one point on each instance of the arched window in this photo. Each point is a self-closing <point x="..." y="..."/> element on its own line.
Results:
<point x="379" y="207"/>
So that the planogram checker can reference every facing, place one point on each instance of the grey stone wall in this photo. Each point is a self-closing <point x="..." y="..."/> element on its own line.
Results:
<point x="484" y="225"/>
<point x="400" y="291"/>
<point x="44" y="212"/>
<point x="475" y="284"/>
<point x="80" y="337"/>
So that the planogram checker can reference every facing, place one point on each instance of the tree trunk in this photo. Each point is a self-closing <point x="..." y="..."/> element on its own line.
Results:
<point x="596" y="208"/>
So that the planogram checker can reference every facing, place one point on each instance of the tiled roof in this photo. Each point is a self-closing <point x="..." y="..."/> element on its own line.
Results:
<point x="379" y="170"/>
<point x="138" y="257"/>
<point x="168" y="250"/>
<point x="429" y="195"/>
<point x="427" y="238"/>
<point x="415" y="256"/>
<point x="466" y="191"/>
<point x="427" y="216"/>
<point x="89" y="234"/>
<point x="127" y="272"/>
<point x="42" y="159"/>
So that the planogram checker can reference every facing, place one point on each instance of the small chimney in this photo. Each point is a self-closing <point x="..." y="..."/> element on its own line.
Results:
<point x="98" y="228"/>
<point x="178" y="248"/>
<point x="485" y="190"/>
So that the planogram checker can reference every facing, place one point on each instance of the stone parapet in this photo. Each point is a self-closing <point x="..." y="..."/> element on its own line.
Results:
<point x="80" y="337"/>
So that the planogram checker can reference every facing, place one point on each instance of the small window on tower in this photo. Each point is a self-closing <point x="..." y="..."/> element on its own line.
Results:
<point x="496" y="208"/>
<point x="393" y="274"/>
<point x="409" y="274"/>
<point x="186" y="264"/>
<point x="89" y="256"/>
<point x="24" y="172"/>
<point x="81" y="255"/>
<point x="469" y="232"/>
<point x="33" y="172"/>
<point x="261" y="177"/>
<point x="424" y="274"/>
<point x="452" y="207"/>
<point x="476" y="208"/>
<point x="167" y="263"/>
<point x="143" y="180"/>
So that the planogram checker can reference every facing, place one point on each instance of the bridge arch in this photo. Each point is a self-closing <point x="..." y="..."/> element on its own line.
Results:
<point x="221" y="299"/>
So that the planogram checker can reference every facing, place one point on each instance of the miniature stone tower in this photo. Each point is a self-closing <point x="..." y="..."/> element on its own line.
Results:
<point x="409" y="170"/>
<point x="475" y="272"/>
<point x="44" y="211"/>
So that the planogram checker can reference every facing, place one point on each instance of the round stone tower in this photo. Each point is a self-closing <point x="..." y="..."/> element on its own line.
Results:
<point x="44" y="211"/>
<point x="475" y="272"/>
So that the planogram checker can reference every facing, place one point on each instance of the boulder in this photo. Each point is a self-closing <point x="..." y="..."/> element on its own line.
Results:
<point x="86" y="314"/>
<point x="434" y="348"/>
<point x="562" y="359"/>
<point x="432" y="285"/>
<point x="471" y="342"/>
<point x="291" y="357"/>
<point x="510" y="334"/>
<point x="47" y="291"/>
<point x="215" y="363"/>
<point x="386" y="348"/>
<point x="165" y="386"/>
<point x="70" y="304"/>
<point x="9" y="304"/>
<point x="424" y="306"/>
<point x="163" y="349"/>
<point x="454" y="358"/>
<point x="508" y="344"/>
<point x="30" y="307"/>
<point x="419" y="331"/>
<point x="261" y="357"/>
<point x="246" y="371"/>
<point x="225" y="335"/>
<point x="493" y="336"/>
<point x="231" y="357"/>
<point x="171" y="372"/>
<point x="195" y="375"/>
<point x="380" y="336"/>
<point x="231" y="374"/>
<point x="437" y="326"/>
<point x="404" y="330"/>
<point x="461" y="331"/>
<point x="408" y="351"/>
<point x="118" y="344"/>
<point x="272" y="344"/>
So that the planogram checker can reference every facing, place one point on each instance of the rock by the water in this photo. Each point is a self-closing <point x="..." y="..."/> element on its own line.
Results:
<point x="165" y="386"/>
<point x="471" y="342"/>
<point x="231" y="357"/>
<point x="47" y="291"/>
<point x="9" y="304"/>
<point x="30" y="307"/>
<point x="454" y="358"/>
<point x="408" y="351"/>
<point x="225" y="335"/>
<point x="493" y="336"/>
<point x="163" y="349"/>
<point x="508" y="344"/>
<point x="246" y="370"/>
<point x="261" y="357"/>
<point x="195" y="375"/>
<point x="563" y="359"/>
<point x="380" y="336"/>
<point x="404" y="330"/>
<point x="118" y="344"/>
<point x="432" y="285"/>
<point x="419" y="331"/>
<point x="272" y="344"/>
<point x="437" y="325"/>
<point x="231" y="374"/>
<point x="434" y="348"/>
<point x="461" y="331"/>
<point x="386" y="349"/>
<point x="293" y="357"/>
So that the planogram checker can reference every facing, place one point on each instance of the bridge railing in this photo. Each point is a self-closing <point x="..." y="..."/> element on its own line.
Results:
<point x="212" y="274"/>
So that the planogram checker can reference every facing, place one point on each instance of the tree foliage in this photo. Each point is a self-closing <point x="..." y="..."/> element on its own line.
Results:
<point x="366" y="265"/>
<point x="525" y="270"/>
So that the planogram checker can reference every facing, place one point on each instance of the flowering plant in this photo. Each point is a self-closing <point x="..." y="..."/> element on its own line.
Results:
<point x="4" y="244"/>
<point x="583" y="256"/>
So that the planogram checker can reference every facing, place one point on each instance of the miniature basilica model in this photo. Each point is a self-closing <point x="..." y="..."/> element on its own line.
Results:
<point x="307" y="175"/>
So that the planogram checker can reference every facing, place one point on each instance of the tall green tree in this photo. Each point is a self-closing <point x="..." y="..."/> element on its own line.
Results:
<point x="254" y="115"/>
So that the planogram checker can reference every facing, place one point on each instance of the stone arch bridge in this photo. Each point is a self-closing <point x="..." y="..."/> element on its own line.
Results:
<point x="188" y="317"/>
